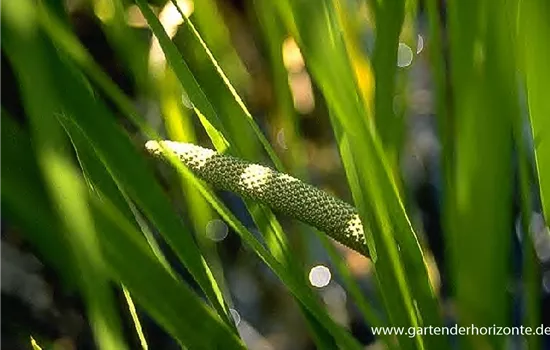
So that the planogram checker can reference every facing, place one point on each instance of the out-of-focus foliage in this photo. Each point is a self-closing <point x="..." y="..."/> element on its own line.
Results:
<point x="431" y="117"/>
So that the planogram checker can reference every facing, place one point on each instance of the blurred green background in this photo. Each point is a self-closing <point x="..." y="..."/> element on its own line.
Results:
<point x="431" y="117"/>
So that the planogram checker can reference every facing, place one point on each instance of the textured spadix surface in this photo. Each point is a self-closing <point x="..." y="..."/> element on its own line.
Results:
<point x="282" y="192"/>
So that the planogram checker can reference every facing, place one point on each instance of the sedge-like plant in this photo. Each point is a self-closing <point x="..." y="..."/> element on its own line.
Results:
<point x="85" y="190"/>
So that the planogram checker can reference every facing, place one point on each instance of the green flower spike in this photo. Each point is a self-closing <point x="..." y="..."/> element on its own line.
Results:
<point x="281" y="192"/>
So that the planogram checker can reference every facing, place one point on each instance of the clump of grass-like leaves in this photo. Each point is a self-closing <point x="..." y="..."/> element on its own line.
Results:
<point x="87" y="197"/>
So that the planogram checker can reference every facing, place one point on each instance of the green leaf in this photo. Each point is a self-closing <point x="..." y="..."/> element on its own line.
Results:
<point x="172" y="303"/>
<point x="485" y="105"/>
<point x="286" y="273"/>
<point x="389" y="18"/>
<point x="128" y="258"/>
<point x="22" y="186"/>
<point x="534" y="28"/>
<point x="64" y="185"/>
<point x="121" y="158"/>
<point x="401" y="272"/>
<point x="220" y="128"/>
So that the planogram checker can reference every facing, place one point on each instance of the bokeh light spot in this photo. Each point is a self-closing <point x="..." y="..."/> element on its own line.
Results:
<point x="236" y="316"/>
<point x="216" y="230"/>
<point x="419" y="44"/>
<point x="319" y="276"/>
<point x="292" y="57"/>
<point x="404" y="55"/>
<point x="281" y="139"/>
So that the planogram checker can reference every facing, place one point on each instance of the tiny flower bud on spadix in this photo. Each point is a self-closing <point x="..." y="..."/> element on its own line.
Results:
<point x="281" y="192"/>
